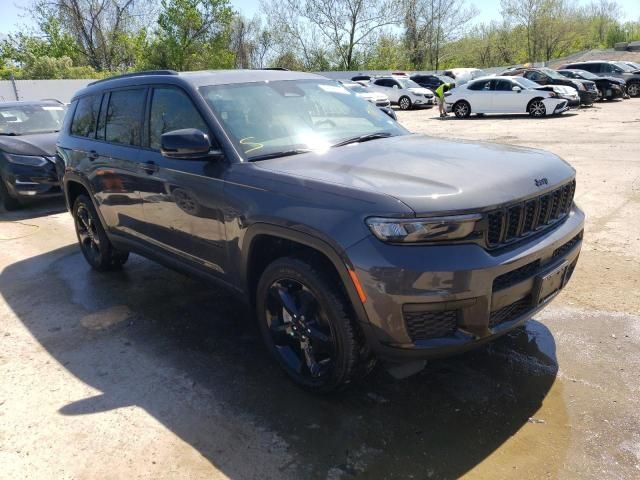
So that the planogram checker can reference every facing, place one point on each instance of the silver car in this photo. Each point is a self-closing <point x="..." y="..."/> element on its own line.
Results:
<point x="403" y="92"/>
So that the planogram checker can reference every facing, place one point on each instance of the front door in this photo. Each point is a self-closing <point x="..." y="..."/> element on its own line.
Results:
<point x="183" y="200"/>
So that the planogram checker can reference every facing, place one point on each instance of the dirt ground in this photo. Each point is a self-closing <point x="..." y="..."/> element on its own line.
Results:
<point x="148" y="374"/>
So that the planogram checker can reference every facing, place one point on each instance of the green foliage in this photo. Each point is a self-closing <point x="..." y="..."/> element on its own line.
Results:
<point x="192" y="35"/>
<point x="45" y="67"/>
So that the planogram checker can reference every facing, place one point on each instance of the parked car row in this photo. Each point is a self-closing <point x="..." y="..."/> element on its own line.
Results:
<point x="539" y="91"/>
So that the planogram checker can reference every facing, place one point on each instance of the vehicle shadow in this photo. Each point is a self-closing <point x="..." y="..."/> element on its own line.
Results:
<point x="36" y="208"/>
<point x="183" y="350"/>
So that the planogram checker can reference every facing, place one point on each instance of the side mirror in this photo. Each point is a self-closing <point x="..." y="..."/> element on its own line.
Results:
<point x="395" y="86"/>
<point x="187" y="144"/>
<point x="516" y="89"/>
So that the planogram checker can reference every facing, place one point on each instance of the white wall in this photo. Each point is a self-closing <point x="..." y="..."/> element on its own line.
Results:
<point x="61" y="90"/>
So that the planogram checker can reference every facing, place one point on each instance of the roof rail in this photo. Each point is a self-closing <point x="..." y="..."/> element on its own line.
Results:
<point x="52" y="100"/>
<point x="274" y="68"/>
<point x="137" y="74"/>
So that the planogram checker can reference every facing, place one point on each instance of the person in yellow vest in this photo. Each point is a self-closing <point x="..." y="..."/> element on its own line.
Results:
<point x="440" y="91"/>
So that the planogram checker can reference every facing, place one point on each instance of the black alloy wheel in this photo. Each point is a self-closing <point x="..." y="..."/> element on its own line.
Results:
<point x="86" y="228"/>
<point x="94" y="243"/>
<point x="299" y="329"/>
<point x="308" y="326"/>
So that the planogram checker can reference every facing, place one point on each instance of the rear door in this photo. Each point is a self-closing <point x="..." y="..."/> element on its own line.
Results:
<point x="110" y="169"/>
<point x="117" y="179"/>
<point x="183" y="200"/>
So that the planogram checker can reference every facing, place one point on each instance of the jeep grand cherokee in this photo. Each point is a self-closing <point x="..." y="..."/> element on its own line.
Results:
<point x="352" y="238"/>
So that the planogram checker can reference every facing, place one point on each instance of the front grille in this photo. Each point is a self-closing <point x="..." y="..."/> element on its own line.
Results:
<point x="562" y="250"/>
<point x="509" y="224"/>
<point x="515" y="276"/>
<point x="424" y="325"/>
<point x="510" y="312"/>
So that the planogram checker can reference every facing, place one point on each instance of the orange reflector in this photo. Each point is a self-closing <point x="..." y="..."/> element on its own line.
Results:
<point x="356" y="283"/>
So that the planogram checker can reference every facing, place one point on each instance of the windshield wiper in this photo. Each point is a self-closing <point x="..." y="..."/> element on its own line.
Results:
<point x="363" y="138"/>
<point x="285" y="153"/>
<point x="9" y="134"/>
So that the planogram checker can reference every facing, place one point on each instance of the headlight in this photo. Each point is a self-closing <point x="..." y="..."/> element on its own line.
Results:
<point x="415" y="230"/>
<point x="29" y="160"/>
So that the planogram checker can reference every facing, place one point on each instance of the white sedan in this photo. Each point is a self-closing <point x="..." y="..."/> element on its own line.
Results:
<point x="504" y="95"/>
<point x="403" y="92"/>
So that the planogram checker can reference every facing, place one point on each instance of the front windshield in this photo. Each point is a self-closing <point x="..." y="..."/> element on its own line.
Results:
<point x="27" y="119"/>
<point x="586" y="75"/>
<point x="406" y="83"/>
<point x="551" y="73"/>
<point x="283" y="116"/>
<point x="525" y="82"/>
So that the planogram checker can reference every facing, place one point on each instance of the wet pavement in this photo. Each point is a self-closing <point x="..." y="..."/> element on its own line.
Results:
<point x="147" y="373"/>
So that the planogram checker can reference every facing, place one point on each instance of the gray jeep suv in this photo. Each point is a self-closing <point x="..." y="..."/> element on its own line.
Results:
<point x="353" y="239"/>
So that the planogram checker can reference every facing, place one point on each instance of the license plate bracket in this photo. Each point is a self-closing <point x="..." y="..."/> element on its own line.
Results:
<point x="548" y="284"/>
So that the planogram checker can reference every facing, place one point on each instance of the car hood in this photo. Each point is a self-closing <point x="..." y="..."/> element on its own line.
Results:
<point x="420" y="91"/>
<point x="432" y="175"/>
<point x="373" y="95"/>
<point x="43" y="144"/>
<point x="616" y="80"/>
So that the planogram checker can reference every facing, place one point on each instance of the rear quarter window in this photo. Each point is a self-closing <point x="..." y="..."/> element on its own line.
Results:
<point x="86" y="116"/>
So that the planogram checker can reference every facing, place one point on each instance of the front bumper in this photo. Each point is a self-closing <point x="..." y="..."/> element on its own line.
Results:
<point x="572" y="101"/>
<point x="425" y="102"/>
<point x="434" y="301"/>
<point x="587" y="97"/>
<point x="24" y="181"/>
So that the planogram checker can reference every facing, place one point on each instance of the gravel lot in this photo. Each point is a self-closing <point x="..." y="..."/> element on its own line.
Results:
<point x="145" y="373"/>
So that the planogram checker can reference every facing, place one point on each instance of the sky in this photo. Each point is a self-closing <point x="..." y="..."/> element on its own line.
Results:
<point x="12" y="17"/>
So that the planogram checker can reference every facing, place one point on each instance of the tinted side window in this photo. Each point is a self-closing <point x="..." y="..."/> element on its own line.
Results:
<point x="85" y="117"/>
<point x="503" y="86"/>
<point x="482" y="85"/>
<point x="590" y="67"/>
<point x="124" y="116"/>
<point x="383" y="82"/>
<point x="172" y="109"/>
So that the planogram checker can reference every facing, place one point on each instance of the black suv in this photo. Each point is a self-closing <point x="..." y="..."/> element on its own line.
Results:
<point x="28" y="132"/>
<point x="587" y="90"/>
<point x="352" y="239"/>
<point x="602" y="68"/>
<point x="431" y="81"/>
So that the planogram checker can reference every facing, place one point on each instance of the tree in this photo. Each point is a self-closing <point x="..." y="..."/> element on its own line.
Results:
<point x="430" y="24"/>
<point x="346" y="27"/>
<point x="192" y="34"/>
<point x="100" y="29"/>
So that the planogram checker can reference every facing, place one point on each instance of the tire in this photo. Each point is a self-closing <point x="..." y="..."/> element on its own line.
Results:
<point x="633" y="89"/>
<point x="6" y="200"/>
<point x="462" y="109"/>
<point x="337" y="353"/>
<point x="94" y="243"/>
<point x="536" y="108"/>
<point x="404" y="103"/>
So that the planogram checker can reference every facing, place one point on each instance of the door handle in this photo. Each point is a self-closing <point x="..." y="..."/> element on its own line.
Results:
<point x="149" y="167"/>
<point x="93" y="155"/>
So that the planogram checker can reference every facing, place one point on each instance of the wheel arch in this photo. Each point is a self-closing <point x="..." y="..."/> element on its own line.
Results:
<point x="263" y="243"/>
<point x="531" y="101"/>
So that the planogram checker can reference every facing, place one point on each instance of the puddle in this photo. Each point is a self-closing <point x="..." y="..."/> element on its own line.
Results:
<point x="106" y="318"/>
